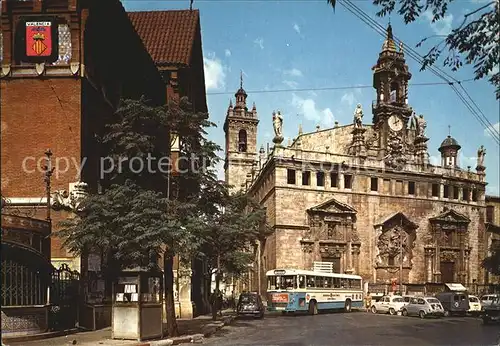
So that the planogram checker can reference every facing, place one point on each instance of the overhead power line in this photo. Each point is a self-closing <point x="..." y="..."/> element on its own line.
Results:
<point x="263" y="91"/>
<point x="476" y="112"/>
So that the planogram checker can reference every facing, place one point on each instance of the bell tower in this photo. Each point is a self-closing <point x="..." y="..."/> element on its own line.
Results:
<point x="240" y="129"/>
<point x="391" y="112"/>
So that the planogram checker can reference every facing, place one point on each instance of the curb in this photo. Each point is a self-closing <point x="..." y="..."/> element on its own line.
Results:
<point x="207" y="331"/>
<point x="25" y="338"/>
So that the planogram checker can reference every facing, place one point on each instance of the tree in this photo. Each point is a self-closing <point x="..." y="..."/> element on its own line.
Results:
<point x="474" y="41"/>
<point x="231" y="224"/>
<point x="146" y="213"/>
<point x="492" y="262"/>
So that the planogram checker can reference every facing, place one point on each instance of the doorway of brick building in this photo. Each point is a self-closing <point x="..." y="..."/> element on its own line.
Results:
<point x="447" y="272"/>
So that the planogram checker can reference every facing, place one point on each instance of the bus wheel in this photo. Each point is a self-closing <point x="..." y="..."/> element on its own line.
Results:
<point x="313" y="308"/>
<point x="347" y="307"/>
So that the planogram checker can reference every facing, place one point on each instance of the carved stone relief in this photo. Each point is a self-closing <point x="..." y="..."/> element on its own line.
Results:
<point x="391" y="243"/>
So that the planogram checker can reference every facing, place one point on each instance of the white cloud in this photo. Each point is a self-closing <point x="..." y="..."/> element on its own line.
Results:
<point x="495" y="128"/>
<point x="215" y="75"/>
<point x="219" y="167"/>
<point x="494" y="70"/>
<point x="291" y="83"/>
<point x="259" y="42"/>
<point x="308" y="108"/>
<point x="442" y="26"/>
<point x="348" y="98"/>
<point x="227" y="52"/>
<point x="296" y="27"/>
<point x="293" y="72"/>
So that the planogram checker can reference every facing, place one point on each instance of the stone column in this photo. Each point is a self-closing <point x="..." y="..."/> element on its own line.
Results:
<point x="355" y="257"/>
<point x="429" y="254"/>
<point x="185" y="303"/>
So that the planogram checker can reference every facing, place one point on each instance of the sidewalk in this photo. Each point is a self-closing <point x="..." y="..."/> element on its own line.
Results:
<point x="190" y="330"/>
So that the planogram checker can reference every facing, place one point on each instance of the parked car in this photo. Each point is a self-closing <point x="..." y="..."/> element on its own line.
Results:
<point x="423" y="307"/>
<point x="454" y="303"/>
<point x="487" y="299"/>
<point x="250" y="304"/>
<point x="491" y="312"/>
<point x="474" y="306"/>
<point x="388" y="304"/>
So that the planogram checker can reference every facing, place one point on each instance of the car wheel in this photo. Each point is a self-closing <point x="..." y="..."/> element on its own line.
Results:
<point x="374" y="309"/>
<point x="405" y="312"/>
<point x="421" y="314"/>
<point x="347" y="307"/>
<point x="392" y="311"/>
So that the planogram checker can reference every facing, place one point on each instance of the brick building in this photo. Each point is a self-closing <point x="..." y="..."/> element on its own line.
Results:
<point x="364" y="195"/>
<point x="492" y="231"/>
<point x="61" y="101"/>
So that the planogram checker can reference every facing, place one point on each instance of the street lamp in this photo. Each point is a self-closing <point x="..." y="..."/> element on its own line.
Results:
<point x="48" y="174"/>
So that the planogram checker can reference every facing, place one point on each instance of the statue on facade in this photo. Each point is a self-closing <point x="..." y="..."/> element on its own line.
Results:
<point x="481" y="152"/>
<point x="278" y="127"/>
<point x="421" y="125"/>
<point x="64" y="200"/>
<point x="358" y="116"/>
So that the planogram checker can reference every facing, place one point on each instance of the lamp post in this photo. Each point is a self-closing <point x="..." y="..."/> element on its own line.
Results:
<point x="401" y="257"/>
<point x="48" y="174"/>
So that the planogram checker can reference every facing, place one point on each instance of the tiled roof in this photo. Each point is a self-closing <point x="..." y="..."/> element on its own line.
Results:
<point x="167" y="35"/>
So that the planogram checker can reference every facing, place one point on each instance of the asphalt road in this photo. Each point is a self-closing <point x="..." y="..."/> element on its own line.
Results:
<point x="356" y="328"/>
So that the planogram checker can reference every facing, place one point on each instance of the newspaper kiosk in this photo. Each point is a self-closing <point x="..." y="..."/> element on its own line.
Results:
<point x="138" y="305"/>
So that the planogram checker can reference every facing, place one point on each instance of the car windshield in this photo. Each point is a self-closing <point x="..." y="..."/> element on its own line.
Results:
<point x="248" y="299"/>
<point x="397" y="300"/>
<point x="473" y="299"/>
<point x="433" y="301"/>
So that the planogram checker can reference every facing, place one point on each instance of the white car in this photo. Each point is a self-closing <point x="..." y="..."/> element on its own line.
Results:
<point x="474" y="305"/>
<point x="388" y="304"/>
<point x="487" y="299"/>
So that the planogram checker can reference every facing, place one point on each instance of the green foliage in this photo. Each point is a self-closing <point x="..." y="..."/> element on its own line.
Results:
<point x="474" y="41"/>
<point x="492" y="262"/>
<point x="232" y="223"/>
<point x="127" y="221"/>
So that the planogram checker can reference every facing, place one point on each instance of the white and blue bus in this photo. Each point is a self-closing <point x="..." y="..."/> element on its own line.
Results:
<point x="295" y="290"/>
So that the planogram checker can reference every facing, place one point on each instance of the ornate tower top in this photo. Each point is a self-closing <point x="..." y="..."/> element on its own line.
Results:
<point x="449" y="152"/>
<point x="389" y="44"/>
<point x="241" y="96"/>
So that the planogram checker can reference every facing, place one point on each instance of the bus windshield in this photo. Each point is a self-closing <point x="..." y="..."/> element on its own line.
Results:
<point x="282" y="282"/>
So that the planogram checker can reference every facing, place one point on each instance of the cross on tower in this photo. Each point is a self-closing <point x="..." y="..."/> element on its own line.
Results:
<point x="449" y="130"/>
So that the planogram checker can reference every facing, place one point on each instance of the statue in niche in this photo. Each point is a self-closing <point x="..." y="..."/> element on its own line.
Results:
<point x="481" y="152"/>
<point x="358" y="117"/>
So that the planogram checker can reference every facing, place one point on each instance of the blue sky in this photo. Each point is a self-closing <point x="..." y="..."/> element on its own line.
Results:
<point x="305" y="45"/>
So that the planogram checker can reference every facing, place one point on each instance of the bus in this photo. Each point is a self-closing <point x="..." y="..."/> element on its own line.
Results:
<point x="295" y="290"/>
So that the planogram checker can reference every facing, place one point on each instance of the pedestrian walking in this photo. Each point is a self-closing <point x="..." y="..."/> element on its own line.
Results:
<point x="368" y="301"/>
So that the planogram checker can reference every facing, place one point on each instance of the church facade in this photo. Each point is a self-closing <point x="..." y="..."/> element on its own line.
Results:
<point x="364" y="196"/>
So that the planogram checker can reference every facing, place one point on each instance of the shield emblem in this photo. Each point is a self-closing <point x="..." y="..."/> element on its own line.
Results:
<point x="39" y="40"/>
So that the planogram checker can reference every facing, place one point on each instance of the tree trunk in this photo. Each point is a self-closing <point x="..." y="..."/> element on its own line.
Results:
<point x="215" y="301"/>
<point x="169" y="296"/>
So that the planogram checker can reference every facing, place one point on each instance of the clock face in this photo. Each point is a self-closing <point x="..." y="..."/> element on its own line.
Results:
<point x="395" y="123"/>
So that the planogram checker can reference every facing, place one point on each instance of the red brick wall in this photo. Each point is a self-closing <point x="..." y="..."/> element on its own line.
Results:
<point x="38" y="114"/>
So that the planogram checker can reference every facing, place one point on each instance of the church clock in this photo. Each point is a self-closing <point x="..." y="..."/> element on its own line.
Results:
<point x="395" y="123"/>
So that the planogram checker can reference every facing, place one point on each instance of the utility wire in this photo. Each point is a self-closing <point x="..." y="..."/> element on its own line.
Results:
<point x="363" y="16"/>
<point x="261" y="91"/>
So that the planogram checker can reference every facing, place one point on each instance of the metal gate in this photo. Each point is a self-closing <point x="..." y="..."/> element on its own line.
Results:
<point x="65" y="298"/>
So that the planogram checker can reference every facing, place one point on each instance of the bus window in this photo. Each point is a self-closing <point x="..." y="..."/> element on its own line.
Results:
<point x="354" y="283"/>
<point x="328" y="282"/>
<point x="319" y="281"/>
<point x="336" y="283"/>
<point x="302" y="281"/>
<point x="310" y="281"/>
<point x="286" y="282"/>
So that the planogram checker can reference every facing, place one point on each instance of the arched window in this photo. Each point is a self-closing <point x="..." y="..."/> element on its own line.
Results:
<point x="242" y="141"/>
<point x="394" y="92"/>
